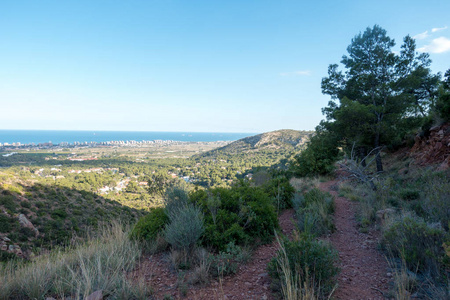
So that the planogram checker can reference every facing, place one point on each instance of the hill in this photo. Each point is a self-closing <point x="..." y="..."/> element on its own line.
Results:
<point x="35" y="215"/>
<point x="285" y="139"/>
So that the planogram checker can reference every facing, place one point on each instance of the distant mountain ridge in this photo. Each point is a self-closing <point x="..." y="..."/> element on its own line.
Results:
<point x="284" y="139"/>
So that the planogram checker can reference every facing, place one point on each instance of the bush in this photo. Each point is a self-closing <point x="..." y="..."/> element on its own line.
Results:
<point x="149" y="226"/>
<point x="409" y="194"/>
<point x="6" y="256"/>
<point x="7" y="224"/>
<point x="307" y="258"/>
<point x="318" y="158"/>
<point x="185" y="228"/>
<point x="436" y="202"/>
<point x="241" y="214"/>
<point x="418" y="243"/>
<point x="314" y="209"/>
<point x="227" y="262"/>
<point x="59" y="214"/>
<point x="281" y="192"/>
<point x="176" y="197"/>
<point x="9" y="203"/>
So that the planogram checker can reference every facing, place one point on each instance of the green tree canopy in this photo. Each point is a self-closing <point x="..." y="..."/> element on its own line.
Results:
<point x="377" y="90"/>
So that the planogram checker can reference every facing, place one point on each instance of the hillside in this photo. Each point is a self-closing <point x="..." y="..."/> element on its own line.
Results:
<point x="285" y="139"/>
<point x="34" y="215"/>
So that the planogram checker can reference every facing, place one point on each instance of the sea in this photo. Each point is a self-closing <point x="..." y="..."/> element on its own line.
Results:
<point x="72" y="136"/>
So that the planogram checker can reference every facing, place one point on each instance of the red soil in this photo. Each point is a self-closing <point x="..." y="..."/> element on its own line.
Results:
<point x="250" y="282"/>
<point x="363" y="268"/>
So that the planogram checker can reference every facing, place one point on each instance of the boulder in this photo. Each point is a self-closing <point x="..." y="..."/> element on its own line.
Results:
<point x="26" y="223"/>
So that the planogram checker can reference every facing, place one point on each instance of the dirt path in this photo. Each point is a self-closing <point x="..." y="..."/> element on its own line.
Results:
<point x="363" y="268"/>
<point x="250" y="282"/>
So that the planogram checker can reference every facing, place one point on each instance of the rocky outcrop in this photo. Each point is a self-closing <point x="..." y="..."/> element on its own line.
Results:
<point x="26" y="223"/>
<point x="433" y="149"/>
<point x="6" y="245"/>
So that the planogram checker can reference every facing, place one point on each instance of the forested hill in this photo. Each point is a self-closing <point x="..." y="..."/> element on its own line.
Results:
<point x="285" y="139"/>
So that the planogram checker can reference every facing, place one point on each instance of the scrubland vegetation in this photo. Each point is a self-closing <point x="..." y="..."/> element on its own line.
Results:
<point x="209" y="212"/>
<point x="411" y="208"/>
<point x="306" y="267"/>
<point x="99" y="263"/>
<point x="382" y="104"/>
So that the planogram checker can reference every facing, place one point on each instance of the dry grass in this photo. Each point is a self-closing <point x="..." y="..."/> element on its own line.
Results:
<point x="305" y="184"/>
<point x="99" y="264"/>
<point x="293" y="287"/>
<point x="404" y="282"/>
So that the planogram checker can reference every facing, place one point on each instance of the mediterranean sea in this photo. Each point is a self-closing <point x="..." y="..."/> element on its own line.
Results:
<point x="69" y="136"/>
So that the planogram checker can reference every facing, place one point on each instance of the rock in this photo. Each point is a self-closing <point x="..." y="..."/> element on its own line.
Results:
<point x="26" y="223"/>
<point x="97" y="295"/>
<point x="6" y="239"/>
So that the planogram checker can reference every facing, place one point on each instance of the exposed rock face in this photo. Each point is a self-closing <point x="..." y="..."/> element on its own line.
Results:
<point x="5" y="245"/>
<point x="26" y="223"/>
<point x="434" y="149"/>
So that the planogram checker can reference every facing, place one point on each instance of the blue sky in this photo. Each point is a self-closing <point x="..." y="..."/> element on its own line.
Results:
<point x="165" y="65"/>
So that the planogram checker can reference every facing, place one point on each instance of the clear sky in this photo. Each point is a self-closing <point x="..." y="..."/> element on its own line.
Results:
<point x="166" y="65"/>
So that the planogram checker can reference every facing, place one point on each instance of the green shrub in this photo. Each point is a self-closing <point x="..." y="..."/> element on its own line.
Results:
<point x="308" y="258"/>
<point x="59" y="214"/>
<point x="418" y="243"/>
<point x="318" y="158"/>
<point x="9" y="203"/>
<point x="241" y="214"/>
<point x="25" y="233"/>
<point x="6" y="256"/>
<point x="436" y="202"/>
<point x="25" y="204"/>
<point x="409" y="194"/>
<point x="281" y="192"/>
<point x="7" y="223"/>
<point x="227" y="262"/>
<point x="314" y="209"/>
<point x="176" y="197"/>
<point x="149" y="226"/>
<point x="185" y="228"/>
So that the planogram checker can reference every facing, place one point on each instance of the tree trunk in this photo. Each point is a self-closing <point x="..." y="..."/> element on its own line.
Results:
<point x="362" y="154"/>
<point x="377" y="152"/>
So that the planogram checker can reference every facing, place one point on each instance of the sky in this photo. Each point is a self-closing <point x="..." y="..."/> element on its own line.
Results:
<point x="206" y="66"/>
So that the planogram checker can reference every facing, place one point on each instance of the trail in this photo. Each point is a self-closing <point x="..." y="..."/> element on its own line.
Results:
<point x="250" y="282"/>
<point x="363" y="268"/>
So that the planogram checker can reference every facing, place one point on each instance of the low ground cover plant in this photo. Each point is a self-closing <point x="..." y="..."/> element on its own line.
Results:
<point x="314" y="211"/>
<point x="305" y="264"/>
